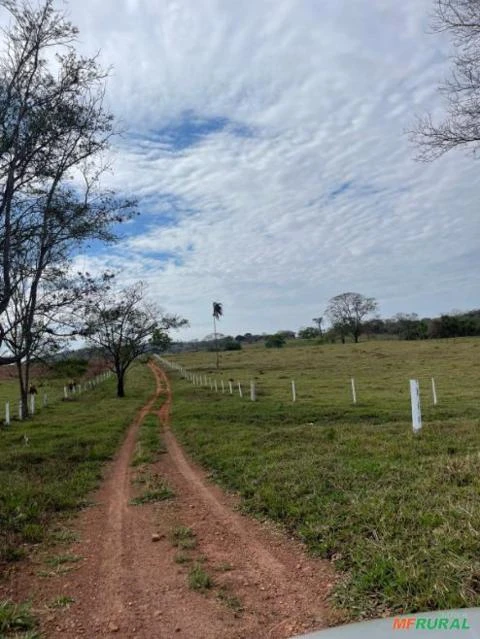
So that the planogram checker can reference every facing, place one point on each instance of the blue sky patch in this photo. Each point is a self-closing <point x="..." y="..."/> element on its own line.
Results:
<point x="191" y="129"/>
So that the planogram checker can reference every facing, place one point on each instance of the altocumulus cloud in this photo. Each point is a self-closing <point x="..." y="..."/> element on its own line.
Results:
<point x="265" y="142"/>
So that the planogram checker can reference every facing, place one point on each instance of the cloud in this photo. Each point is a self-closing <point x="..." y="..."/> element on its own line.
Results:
<point x="266" y="144"/>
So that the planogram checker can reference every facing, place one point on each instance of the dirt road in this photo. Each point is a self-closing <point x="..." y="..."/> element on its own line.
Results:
<point x="129" y="586"/>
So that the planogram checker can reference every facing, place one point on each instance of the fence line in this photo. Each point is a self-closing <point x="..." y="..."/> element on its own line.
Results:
<point x="198" y="380"/>
<point x="67" y="393"/>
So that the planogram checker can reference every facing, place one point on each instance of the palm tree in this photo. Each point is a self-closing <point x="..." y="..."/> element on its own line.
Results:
<point x="318" y="321"/>
<point x="217" y="314"/>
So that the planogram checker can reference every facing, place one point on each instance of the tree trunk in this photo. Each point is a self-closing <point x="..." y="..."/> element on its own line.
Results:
<point x="120" y="383"/>
<point x="215" y="338"/>
<point x="23" y="375"/>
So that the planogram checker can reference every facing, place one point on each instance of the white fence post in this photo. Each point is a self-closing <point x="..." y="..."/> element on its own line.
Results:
<point x="45" y="400"/>
<point x="434" y="392"/>
<point x="354" y="392"/>
<point x="32" y="404"/>
<point x="223" y="387"/>
<point x="416" y="409"/>
<point x="7" y="413"/>
<point x="216" y="387"/>
<point x="240" y="389"/>
<point x="230" y="387"/>
<point x="65" y="392"/>
<point x="253" y="394"/>
<point x="20" y="410"/>
<point x="294" y="391"/>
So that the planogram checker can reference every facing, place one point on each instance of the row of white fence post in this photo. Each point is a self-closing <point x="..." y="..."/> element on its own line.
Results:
<point x="197" y="380"/>
<point x="78" y="388"/>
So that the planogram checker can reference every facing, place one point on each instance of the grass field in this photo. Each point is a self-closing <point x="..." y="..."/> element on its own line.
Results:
<point x="399" y="514"/>
<point x="48" y="464"/>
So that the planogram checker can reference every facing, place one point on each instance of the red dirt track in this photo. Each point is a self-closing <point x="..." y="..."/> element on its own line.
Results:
<point x="130" y="587"/>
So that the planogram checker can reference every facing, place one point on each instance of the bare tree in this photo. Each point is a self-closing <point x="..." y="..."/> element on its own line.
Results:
<point x="461" y="126"/>
<point x="53" y="129"/>
<point x="217" y="314"/>
<point x="347" y="311"/>
<point x="123" y="325"/>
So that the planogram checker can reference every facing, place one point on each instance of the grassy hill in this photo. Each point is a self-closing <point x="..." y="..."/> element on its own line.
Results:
<point x="399" y="514"/>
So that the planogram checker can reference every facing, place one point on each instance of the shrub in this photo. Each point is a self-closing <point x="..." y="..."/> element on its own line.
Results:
<point x="275" y="341"/>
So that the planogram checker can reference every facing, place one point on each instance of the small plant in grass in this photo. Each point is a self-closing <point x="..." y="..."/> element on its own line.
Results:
<point x="224" y="566"/>
<point x="62" y="601"/>
<point x="44" y="574"/>
<point x="152" y="496"/>
<point x="59" y="560"/>
<point x="199" y="579"/>
<point x="15" y="617"/>
<point x="182" y="558"/>
<point x="64" y="536"/>
<point x="12" y="553"/>
<point x="33" y="533"/>
<point x="183" y="537"/>
<point x="156" y="489"/>
<point x="149" y="444"/>
<point x="229" y="599"/>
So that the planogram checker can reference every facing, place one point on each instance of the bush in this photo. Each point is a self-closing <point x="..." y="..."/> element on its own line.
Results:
<point x="232" y="345"/>
<point x="275" y="341"/>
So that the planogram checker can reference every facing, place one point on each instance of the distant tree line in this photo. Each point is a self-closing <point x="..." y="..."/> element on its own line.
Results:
<point x="407" y="326"/>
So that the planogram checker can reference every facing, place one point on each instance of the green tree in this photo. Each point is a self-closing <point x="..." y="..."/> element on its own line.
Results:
<point x="347" y="311"/>
<point x="309" y="332"/>
<point x="123" y="326"/>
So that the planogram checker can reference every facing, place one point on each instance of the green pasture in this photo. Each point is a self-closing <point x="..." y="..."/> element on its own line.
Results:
<point x="49" y="463"/>
<point x="399" y="514"/>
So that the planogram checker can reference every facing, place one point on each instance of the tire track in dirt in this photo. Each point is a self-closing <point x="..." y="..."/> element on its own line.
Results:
<point x="289" y="589"/>
<point x="117" y="488"/>
<point x="204" y="492"/>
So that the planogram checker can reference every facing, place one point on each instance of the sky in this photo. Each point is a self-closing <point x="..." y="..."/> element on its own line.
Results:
<point x="265" y="141"/>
